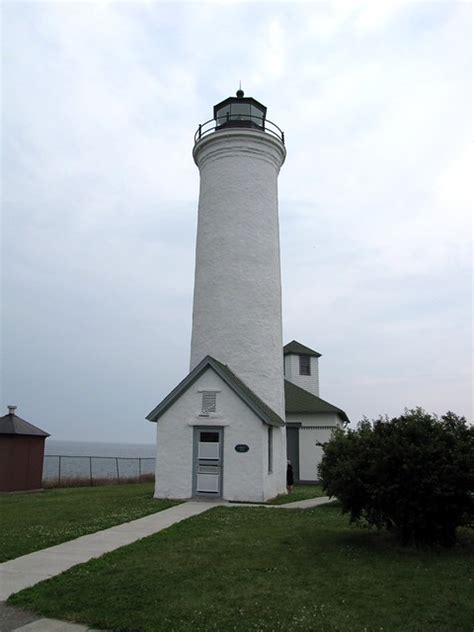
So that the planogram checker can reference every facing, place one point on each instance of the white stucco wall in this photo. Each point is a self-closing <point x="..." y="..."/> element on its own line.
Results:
<point x="245" y="475"/>
<point x="292" y="373"/>
<point x="274" y="482"/>
<point x="314" y="428"/>
<point x="237" y="291"/>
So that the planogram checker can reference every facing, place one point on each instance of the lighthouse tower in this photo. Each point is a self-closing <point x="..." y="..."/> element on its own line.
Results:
<point x="237" y="290"/>
<point x="220" y="432"/>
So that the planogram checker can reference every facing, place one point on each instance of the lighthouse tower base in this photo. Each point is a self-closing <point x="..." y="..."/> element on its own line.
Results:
<point x="237" y="451"/>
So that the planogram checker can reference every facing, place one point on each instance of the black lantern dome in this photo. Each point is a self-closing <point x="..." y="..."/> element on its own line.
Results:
<point x="240" y="111"/>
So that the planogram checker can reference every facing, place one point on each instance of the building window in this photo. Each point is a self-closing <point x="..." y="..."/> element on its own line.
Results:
<point x="305" y="365"/>
<point x="208" y="402"/>
<point x="270" y="449"/>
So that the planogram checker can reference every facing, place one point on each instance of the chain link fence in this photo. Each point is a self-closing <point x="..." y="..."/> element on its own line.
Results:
<point x="68" y="470"/>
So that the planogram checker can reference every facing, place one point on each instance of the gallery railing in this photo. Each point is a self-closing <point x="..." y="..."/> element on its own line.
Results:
<point x="239" y="121"/>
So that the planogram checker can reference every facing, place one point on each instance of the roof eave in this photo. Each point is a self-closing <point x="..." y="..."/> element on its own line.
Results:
<point x="304" y="411"/>
<point x="300" y="349"/>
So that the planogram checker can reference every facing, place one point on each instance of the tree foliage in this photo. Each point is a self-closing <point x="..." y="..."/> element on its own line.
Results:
<point x="412" y="474"/>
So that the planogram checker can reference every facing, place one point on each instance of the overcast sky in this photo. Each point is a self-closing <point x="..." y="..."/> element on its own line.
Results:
<point x="101" y="101"/>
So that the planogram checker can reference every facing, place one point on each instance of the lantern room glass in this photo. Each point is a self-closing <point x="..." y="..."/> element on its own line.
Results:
<point x="239" y="113"/>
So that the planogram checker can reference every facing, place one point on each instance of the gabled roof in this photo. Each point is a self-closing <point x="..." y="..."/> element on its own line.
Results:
<point x="299" y="400"/>
<point x="12" y="425"/>
<point x="298" y="349"/>
<point x="266" y="414"/>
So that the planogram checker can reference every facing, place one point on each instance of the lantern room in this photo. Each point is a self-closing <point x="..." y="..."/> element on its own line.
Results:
<point x="240" y="111"/>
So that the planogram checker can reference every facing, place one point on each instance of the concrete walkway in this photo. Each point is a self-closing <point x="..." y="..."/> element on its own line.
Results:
<point x="297" y="504"/>
<point x="28" y="570"/>
<point x="307" y="504"/>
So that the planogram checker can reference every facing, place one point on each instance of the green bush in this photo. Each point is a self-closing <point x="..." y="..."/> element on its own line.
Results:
<point x="413" y="475"/>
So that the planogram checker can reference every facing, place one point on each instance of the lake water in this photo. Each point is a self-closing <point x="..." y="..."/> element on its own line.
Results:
<point x="83" y="459"/>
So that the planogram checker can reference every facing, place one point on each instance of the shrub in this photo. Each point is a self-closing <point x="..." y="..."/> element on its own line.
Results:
<point x="413" y="475"/>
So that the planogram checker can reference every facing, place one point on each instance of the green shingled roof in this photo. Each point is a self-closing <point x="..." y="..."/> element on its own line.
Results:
<point x="298" y="400"/>
<point x="298" y="349"/>
<point x="266" y="414"/>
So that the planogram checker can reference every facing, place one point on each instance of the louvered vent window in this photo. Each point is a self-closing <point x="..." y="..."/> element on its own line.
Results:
<point x="208" y="402"/>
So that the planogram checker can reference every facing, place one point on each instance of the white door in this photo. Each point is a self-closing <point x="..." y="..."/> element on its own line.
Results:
<point x="208" y="462"/>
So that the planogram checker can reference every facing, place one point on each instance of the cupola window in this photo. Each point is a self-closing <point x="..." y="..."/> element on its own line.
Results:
<point x="305" y="365"/>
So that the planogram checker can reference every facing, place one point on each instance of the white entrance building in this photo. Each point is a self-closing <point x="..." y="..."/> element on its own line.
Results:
<point x="221" y="432"/>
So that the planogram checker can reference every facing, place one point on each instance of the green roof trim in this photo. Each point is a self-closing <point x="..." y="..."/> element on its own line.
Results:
<point x="299" y="400"/>
<point x="298" y="349"/>
<point x="262" y="410"/>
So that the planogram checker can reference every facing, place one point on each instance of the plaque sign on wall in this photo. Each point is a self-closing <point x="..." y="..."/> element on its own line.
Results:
<point x="241" y="447"/>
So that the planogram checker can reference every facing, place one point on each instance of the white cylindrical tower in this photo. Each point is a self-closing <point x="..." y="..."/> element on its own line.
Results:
<point x="237" y="291"/>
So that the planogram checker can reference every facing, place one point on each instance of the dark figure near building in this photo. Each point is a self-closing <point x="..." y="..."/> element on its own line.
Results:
<point x="289" y="477"/>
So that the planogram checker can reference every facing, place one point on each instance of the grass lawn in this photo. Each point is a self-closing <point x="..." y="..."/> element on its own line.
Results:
<point x="270" y="570"/>
<point x="300" y="492"/>
<point x="29" y="522"/>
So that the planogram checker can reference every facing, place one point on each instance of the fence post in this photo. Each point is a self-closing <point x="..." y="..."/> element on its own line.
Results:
<point x="59" y="472"/>
<point x="117" y="468"/>
<point x="90" y="469"/>
<point x="139" y="469"/>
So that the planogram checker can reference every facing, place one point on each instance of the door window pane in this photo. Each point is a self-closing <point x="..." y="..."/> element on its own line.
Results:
<point x="209" y="437"/>
<point x="208" y="469"/>
<point x="208" y="483"/>
<point x="208" y="451"/>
